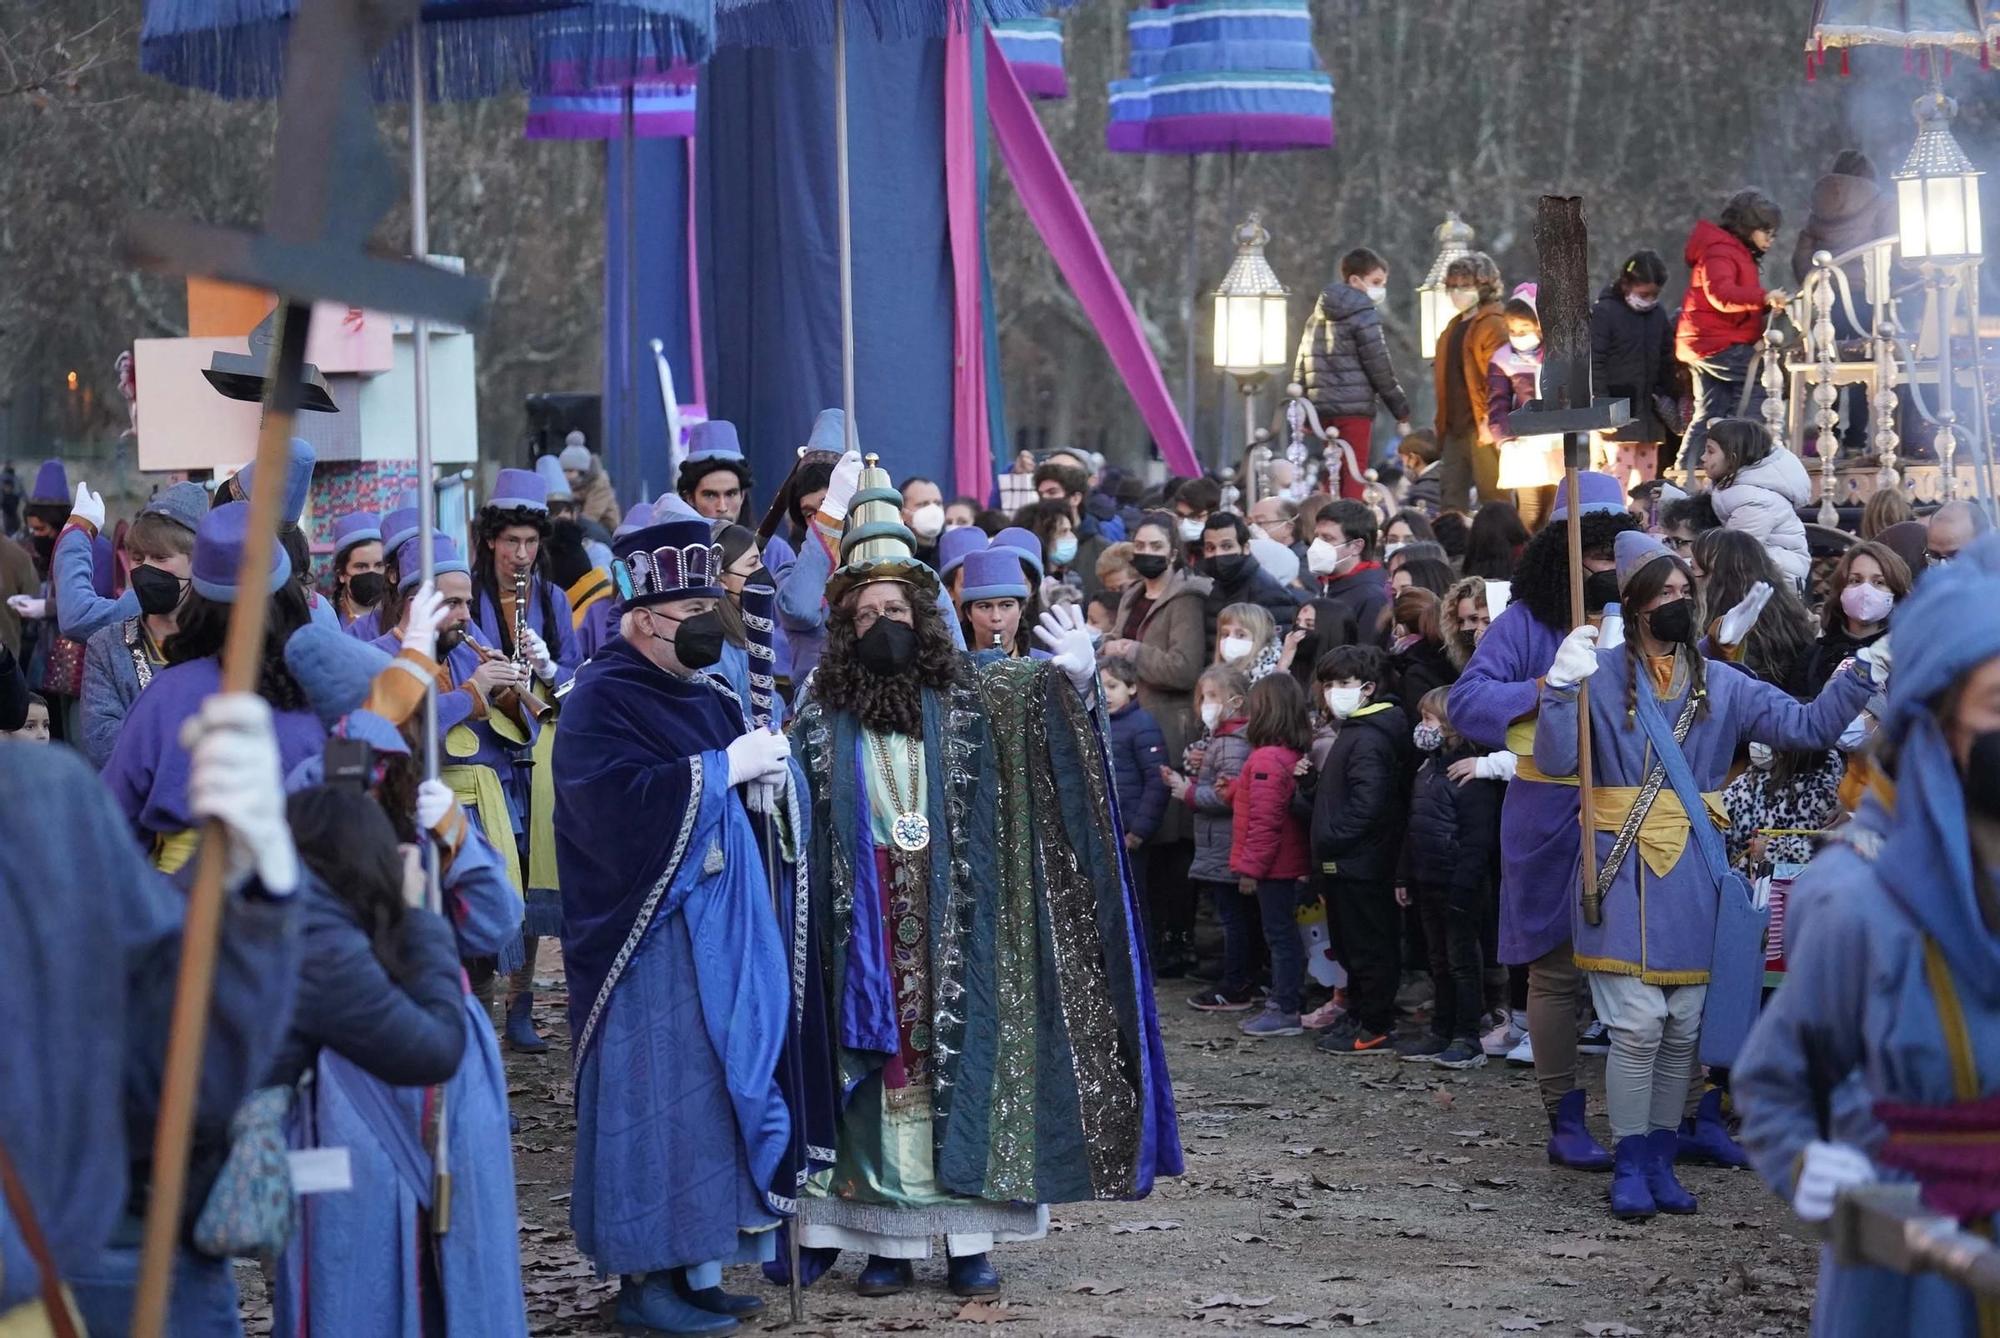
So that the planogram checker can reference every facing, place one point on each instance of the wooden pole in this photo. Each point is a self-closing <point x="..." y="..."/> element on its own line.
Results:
<point x="242" y="656"/>
<point x="1576" y="446"/>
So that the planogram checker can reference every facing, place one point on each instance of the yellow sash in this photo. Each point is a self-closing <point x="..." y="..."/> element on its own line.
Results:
<point x="30" y="1319"/>
<point x="172" y="850"/>
<point x="1663" y="835"/>
<point x="479" y="790"/>
<point x="542" y="811"/>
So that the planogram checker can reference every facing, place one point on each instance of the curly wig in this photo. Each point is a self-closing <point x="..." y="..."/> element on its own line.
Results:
<point x="203" y="626"/>
<point x="885" y="702"/>
<point x="1541" y="578"/>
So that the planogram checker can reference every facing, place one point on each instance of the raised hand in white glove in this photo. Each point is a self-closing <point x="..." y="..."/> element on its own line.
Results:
<point x="1736" y="623"/>
<point x="233" y="778"/>
<point x="543" y="663"/>
<point x="434" y="801"/>
<point x="1576" y="659"/>
<point x="759" y="755"/>
<point x="1065" y="634"/>
<point x="88" y="506"/>
<point x="840" y="488"/>
<point x="1827" y="1169"/>
<point x="427" y="613"/>
<point x="29" y="606"/>
<point x="1876" y="659"/>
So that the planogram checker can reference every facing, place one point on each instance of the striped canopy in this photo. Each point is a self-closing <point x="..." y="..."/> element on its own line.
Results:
<point x="1218" y="76"/>
<point x="1034" y="52"/>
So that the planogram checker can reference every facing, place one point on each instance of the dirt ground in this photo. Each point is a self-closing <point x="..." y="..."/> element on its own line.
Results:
<point x="1320" y="1194"/>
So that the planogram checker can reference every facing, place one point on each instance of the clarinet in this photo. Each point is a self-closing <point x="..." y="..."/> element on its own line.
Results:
<point x="527" y="698"/>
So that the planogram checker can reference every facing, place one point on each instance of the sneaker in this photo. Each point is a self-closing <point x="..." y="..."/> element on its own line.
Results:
<point x="1271" y="1022"/>
<point x="1497" y="1041"/>
<point x="1594" y="1039"/>
<point x="1355" y="1041"/>
<point x="1421" y="1049"/>
<point x="1324" y="1016"/>
<point x="1222" y="1001"/>
<point x="1462" y="1053"/>
<point x="1522" y="1056"/>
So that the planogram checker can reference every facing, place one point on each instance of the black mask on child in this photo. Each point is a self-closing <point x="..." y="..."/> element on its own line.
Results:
<point x="888" y="647"/>
<point x="159" y="591"/>
<point x="1673" y="623"/>
<point x="1599" y="588"/>
<point x="364" y="588"/>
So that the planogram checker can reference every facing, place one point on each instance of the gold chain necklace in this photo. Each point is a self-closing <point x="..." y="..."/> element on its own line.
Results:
<point x="910" y="829"/>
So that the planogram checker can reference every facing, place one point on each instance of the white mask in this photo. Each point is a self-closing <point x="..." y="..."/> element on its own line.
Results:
<point x="1641" y="303"/>
<point x="927" y="521"/>
<point x="1390" y="550"/>
<point x="1236" y="648"/>
<point x="1257" y="532"/>
<point x="1343" y="702"/>
<point x="1525" y="343"/>
<point x="1464" y="299"/>
<point x="1211" y="714"/>
<point x="1378" y="294"/>
<point x="1323" y="557"/>
<point x="1191" y="528"/>
<point x="1761" y="756"/>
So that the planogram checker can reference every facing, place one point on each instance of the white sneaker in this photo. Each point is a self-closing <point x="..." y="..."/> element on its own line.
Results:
<point x="1499" y="1040"/>
<point x="1595" y="1039"/>
<point x="1522" y="1055"/>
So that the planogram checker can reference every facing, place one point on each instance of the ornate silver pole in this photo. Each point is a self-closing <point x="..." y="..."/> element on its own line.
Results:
<point x="1825" y="394"/>
<point x="1774" y="379"/>
<point x="1882" y="408"/>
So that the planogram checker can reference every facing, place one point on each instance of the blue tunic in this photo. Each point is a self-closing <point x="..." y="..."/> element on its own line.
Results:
<point x="558" y="636"/>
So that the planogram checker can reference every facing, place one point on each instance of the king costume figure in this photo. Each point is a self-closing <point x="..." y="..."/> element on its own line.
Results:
<point x="991" y="1001"/>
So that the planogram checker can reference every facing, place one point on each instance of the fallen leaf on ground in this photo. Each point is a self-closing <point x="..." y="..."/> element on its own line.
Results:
<point x="1558" y="1280"/>
<point x="1610" y="1329"/>
<point x="986" y="1312"/>
<point x="1092" y="1287"/>
<point x="1126" y="1228"/>
<point x="1233" y="1301"/>
<point x="1250" y="1238"/>
<point x="1354" y="1319"/>
<point x="1525" y="1324"/>
<point x="1567" y="1250"/>
<point x="1496" y="1181"/>
<point x="1441" y="1099"/>
<point x="1287" y="1321"/>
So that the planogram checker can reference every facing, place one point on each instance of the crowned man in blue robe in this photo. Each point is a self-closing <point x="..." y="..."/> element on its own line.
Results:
<point x="998" y="1050"/>
<point x="682" y="1124"/>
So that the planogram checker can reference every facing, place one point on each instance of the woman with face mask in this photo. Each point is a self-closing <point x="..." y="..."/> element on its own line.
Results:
<point x="1632" y="358"/>
<point x="1055" y="530"/>
<point x="1529" y="466"/>
<point x="1646" y="931"/>
<point x="1467" y="449"/>
<point x="1892" y="989"/>
<point x="1247" y="640"/>
<point x="1865" y="587"/>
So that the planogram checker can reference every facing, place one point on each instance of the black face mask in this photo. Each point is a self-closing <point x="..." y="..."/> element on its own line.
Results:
<point x="1982" y="774"/>
<point x="1150" y="566"/>
<point x="158" y="591"/>
<point x="1673" y="623"/>
<point x="1227" y="568"/>
<point x="1599" y="588"/>
<point x="698" y="642"/>
<point x="761" y="576"/>
<point x="888" y="647"/>
<point x="45" y="546"/>
<point x="364" y="588"/>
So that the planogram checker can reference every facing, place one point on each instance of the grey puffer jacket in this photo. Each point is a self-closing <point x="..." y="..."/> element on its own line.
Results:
<point x="1343" y="359"/>
<point x="1222" y="759"/>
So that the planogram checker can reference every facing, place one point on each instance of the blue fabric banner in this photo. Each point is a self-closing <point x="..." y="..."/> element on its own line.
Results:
<point x="639" y="467"/>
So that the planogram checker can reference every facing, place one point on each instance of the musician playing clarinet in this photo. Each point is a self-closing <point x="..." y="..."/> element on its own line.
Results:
<point x="522" y="612"/>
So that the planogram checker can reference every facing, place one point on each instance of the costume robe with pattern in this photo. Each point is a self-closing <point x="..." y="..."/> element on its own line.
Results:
<point x="1034" y="1024"/>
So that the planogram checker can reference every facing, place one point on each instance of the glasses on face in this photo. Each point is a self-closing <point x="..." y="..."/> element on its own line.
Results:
<point x="1933" y="558"/>
<point x="867" y="618"/>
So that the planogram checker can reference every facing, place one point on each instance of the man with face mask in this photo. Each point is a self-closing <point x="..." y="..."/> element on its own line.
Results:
<point x="1236" y="577"/>
<point x="942" y="788"/>
<point x="1343" y="359"/>
<point x="1342" y="562"/>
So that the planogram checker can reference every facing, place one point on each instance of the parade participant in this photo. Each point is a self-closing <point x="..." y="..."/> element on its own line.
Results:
<point x="741" y="567"/>
<point x="966" y="859"/>
<point x="596" y="502"/>
<point x="399" y="526"/>
<point x="122" y="656"/>
<point x="55" y="666"/>
<point x="357" y="565"/>
<point x="1657" y="703"/>
<point x="676" y="965"/>
<point x="96" y="938"/>
<point x="598" y="625"/>
<point x="954" y="546"/>
<point x="1494" y="704"/>
<point x="80" y="611"/>
<point x="992" y="595"/>
<point x="1879" y="1056"/>
<point x="714" y="478"/>
<point x="299" y="461"/>
<point x="147" y="772"/>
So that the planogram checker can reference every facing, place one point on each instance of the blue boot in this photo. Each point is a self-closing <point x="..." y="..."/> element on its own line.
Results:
<point x="521" y="1036"/>
<point x="648" y="1302"/>
<point x="1570" y="1143"/>
<point x="715" y="1300"/>
<point x="1668" y="1196"/>
<point x="884" y="1277"/>
<point x="973" y="1275"/>
<point x="1631" y="1200"/>
<point x="1705" y="1140"/>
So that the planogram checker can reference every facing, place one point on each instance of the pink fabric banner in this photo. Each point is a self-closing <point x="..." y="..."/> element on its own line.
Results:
<point x="1058" y="215"/>
<point x="971" y="427"/>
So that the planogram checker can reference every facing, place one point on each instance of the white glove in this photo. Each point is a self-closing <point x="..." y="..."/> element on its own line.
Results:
<point x="88" y="506"/>
<point x="539" y="658"/>
<point x="759" y="755"/>
<point x="1827" y="1169"/>
<point x="1576" y="659"/>
<point x="426" y="615"/>
<point x="1877" y="658"/>
<point x="434" y="800"/>
<point x="1066" y="635"/>
<point x="762" y="795"/>
<point x="233" y="778"/>
<point x="840" y="489"/>
<point x="29" y="606"/>
<point x="1736" y="623"/>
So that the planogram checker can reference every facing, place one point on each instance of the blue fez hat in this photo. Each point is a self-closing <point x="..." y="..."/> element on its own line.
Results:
<point x="714" y="440"/>
<point x="399" y="527"/>
<point x="521" y="489"/>
<point x="553" y="479"/>
<point x="218" y="551"/>
<point x="1634" y="549"/>
<point x="993" y="573"/>
<point x="1023" y="542"/>
<point x="182" y="503"/>
<point x="637" y="517"/>
<point x="52" y="484"/>
<point x="299" y="461"/>
<point x="356" y="527"/>
<point x="333" y="669"/>
<point x="829" y="432"/>
<point x="445" y="559"/>
<point x="954" y="546"/>
<point x="1600" y="493"/>
<point x="675" y="557"/>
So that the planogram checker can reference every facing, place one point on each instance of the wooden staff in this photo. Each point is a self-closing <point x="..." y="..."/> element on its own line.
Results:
<point x="1575" y="446"/>
<point x="242" y="658"/>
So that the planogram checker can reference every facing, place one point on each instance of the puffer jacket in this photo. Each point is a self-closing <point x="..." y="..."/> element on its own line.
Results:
<point x="1172" y="652"/>
<point x="1343" y="360"/>
<point x="1269" y="843"/>
<point x="1724" y="306"/>
<point x="1632" y="359"/>
<point x="1359" y="799"/>
<point x="1137" y="754"/>
<point x="1763" y="500"/>
<point x="1454" y="836"/>
<point x="1214" y="819"/>
<point x="1846" y="212"/>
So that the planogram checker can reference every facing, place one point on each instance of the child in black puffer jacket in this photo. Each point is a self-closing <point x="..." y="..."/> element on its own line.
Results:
<point x="1137" y="752"/>
<point x="1453" y="860"/>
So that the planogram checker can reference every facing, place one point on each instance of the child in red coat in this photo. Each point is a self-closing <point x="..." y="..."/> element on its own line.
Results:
<point x="1269" y="851"/>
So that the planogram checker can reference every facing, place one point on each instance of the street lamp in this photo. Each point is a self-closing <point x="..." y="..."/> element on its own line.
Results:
<point x="1251" y="326"/>
<point x="1434" y="308"/>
